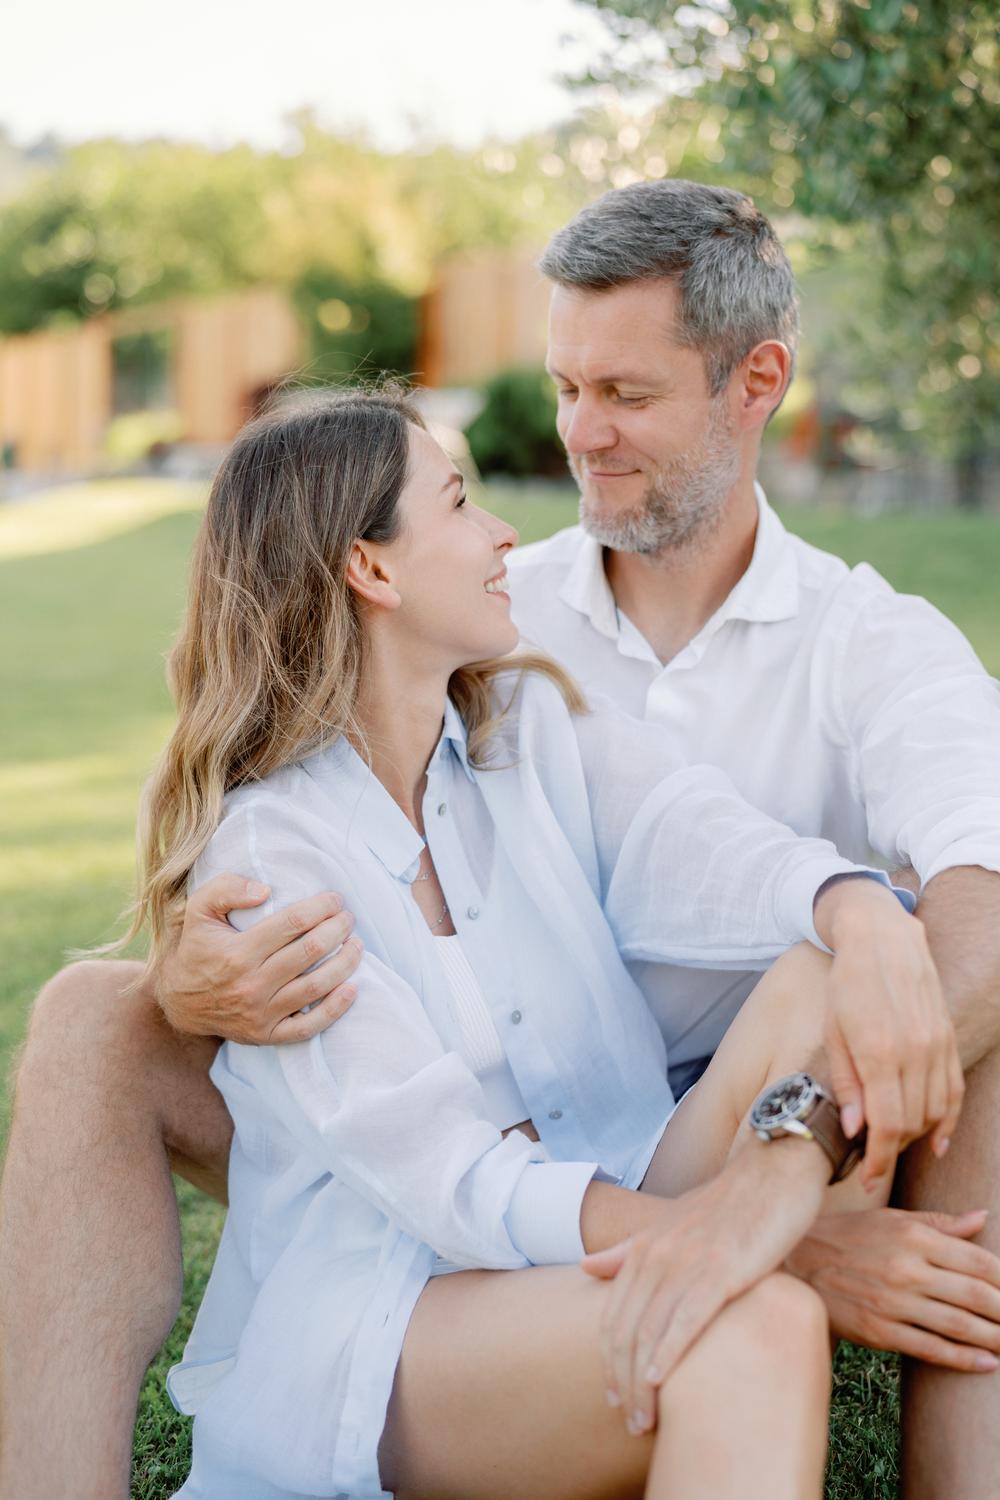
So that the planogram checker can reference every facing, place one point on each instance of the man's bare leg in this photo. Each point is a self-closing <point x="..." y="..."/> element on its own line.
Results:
<point x="90" y="1261"/>
<point x="951" y="1421"/>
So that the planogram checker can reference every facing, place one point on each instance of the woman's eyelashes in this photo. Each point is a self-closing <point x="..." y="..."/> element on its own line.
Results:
<point x="460" y="501"/>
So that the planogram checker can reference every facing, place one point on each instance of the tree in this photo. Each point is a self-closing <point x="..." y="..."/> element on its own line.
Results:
<point x="882" y="115"/>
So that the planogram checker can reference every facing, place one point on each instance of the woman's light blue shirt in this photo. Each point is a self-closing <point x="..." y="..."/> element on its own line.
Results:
<point x="363" y="1155"/>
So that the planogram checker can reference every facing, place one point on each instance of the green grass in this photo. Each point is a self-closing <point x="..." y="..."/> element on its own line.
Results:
<point x="91" y="587"/>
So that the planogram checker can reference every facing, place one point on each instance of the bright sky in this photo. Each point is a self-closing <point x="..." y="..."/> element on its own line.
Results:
<point x="226" y="70"/>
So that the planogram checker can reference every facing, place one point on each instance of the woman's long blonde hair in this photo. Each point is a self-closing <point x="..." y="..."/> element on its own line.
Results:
<point x="271" y="652"/>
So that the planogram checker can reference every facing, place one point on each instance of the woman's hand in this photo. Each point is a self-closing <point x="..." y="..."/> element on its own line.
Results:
<point x="709" y="1246"/>
<point x="909" y="1282"/>
<point x="889" y="1040"/>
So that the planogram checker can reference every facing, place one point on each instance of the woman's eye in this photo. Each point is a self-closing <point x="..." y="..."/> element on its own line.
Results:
<point x="460" y="501"/>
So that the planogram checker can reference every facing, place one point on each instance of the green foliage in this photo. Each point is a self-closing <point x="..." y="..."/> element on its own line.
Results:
<point x="356" y="326"/>
<point x="515" y="431"/>
<point x="880" y="118"/>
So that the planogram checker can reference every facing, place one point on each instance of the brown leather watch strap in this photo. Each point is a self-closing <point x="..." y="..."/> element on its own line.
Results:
<point x="824" y="1124"/>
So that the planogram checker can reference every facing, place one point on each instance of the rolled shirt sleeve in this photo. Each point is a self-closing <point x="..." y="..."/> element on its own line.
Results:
<point x="381" y="1104"/>
<point x="922" y="718"/>
<point x="690" y="872"/>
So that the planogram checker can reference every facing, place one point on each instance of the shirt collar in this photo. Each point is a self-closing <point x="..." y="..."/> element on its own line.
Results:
<point x="367" y="807"/>
<point x="768" y="590"/>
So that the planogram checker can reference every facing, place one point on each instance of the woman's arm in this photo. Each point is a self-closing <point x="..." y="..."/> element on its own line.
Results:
<point x="377" y="1100"/>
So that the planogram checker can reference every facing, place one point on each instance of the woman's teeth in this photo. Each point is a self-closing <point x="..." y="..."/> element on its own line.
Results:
<point x="496" y="585"/>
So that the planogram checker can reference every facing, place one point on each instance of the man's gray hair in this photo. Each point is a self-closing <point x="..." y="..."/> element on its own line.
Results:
<point x="735" y="283"/>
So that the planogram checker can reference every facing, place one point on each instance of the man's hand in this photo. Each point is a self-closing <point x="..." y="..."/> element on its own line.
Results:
<point x="709" y="1246"/>
<point x="909" y="1282"/>
<point x="888" y="1038"/>
<point x="251" y="986"/>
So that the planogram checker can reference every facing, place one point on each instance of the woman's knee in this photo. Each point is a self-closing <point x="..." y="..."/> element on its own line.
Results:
<point x="778" y="1325"/>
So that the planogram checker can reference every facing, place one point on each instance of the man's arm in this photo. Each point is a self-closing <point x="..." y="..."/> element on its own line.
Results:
<point x="960" y="910"/>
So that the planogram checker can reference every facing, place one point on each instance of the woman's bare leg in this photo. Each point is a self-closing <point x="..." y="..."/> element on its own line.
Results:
<point x="90" y="1264"/>
<point x="499" y="1393"/>
<point x="779" y="1030"/>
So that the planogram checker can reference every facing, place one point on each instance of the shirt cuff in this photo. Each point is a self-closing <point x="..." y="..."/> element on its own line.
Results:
<point x="543" y="1219"/>
<point x="800" y="897"/>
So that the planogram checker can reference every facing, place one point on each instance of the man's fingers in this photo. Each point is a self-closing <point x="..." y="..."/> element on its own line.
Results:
<point x="974" y="1299"/>
<point x="296" y="958"/>
<point x="303" y="1027"/>
<point x="315" y="985"/>
<point x="223" y="894"/>
<point x="956" y="1094"/>
<point x="918" y="1343"/>
<point x="268" y="937"/>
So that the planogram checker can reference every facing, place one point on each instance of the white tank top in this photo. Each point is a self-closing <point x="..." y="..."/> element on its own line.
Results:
<point x="481" y="1046"/>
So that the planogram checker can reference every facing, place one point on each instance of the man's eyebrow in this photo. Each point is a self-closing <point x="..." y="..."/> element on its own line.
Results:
<point x="615" y="378"/>
<point x="455" y="478"/>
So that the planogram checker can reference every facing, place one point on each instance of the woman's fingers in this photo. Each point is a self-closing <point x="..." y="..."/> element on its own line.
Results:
<point x="614" y="1334"/>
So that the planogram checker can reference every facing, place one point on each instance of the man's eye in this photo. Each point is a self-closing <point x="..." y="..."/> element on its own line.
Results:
<point x="633" y="400"/>
<point x="567" y="390"/>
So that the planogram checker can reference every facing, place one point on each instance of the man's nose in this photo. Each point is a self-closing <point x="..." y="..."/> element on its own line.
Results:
<point x="587" y="428"/>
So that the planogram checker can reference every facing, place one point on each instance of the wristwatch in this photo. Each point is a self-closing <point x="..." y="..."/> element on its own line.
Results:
<point x="798" y="1105"/>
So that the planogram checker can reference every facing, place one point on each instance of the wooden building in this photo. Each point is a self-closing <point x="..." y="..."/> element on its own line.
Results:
<point x="485" y="312"/>
<point x="209" y="360"/>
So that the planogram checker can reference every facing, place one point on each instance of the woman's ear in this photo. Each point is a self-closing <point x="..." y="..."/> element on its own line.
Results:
<point x="366" y="576"/>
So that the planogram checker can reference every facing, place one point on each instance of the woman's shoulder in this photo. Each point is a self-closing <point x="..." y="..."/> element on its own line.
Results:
<point x="267" y="822"/>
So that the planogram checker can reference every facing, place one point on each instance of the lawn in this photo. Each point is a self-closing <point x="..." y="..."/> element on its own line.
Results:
<point x="91" y="587"/>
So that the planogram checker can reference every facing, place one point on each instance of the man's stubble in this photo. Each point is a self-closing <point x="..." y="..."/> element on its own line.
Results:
<point x="684" y="502"/>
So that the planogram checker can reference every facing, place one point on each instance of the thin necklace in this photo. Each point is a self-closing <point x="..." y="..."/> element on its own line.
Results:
<point x="444" y="912"/>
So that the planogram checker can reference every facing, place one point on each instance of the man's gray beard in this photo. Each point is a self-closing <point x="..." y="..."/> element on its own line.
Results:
<point x="684" y="503"/>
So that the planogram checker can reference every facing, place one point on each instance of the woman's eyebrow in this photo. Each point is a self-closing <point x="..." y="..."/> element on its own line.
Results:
<point x="455" y="478"/>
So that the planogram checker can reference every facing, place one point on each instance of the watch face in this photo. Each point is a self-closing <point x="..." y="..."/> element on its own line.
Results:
<point x="789" y="1099"/>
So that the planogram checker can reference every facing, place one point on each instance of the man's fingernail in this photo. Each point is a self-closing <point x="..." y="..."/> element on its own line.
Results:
<point x="256" y="890"/>
<point x="987" y="1362"/>
<point x="613" y="1398"/>
<point x="357" y="943"/>
<point x="942" y="1146"/>
<point x="654" y="1375"/>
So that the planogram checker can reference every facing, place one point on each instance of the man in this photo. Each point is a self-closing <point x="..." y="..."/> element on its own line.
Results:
<point x="833" y="703"/>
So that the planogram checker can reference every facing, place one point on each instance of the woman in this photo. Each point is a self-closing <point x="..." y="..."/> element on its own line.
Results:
<point x="358" y="1334"/>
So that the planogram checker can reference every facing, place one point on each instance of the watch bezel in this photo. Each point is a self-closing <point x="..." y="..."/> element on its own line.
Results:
<point x="771" y="1124"/>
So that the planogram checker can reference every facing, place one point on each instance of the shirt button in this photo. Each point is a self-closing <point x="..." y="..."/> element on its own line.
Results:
<point x="515" y="1016"/>
<point x="442" y="809"/>
<point x="472" y="912"/>
<point x="555" y="1114"/>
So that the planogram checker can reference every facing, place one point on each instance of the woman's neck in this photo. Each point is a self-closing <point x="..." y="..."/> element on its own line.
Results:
<point x="400" y="713"/>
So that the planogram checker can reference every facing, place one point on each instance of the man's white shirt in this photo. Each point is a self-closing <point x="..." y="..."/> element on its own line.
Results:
<point x="837" y="705"/>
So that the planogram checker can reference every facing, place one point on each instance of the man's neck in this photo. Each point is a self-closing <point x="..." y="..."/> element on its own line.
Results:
<point x="670" y="595"/>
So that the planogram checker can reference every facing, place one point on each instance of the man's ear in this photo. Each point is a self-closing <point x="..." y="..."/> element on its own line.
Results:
<point x="766" y="373"/>
<point x="367" y="577"/>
